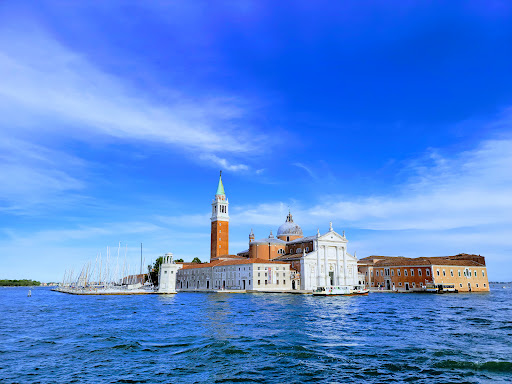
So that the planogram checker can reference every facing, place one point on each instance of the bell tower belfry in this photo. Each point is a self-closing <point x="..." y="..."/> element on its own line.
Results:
<point x="220" y="223"/>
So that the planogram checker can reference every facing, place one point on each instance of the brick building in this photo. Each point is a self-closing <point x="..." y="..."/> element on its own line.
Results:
<point x="467" y="273"/>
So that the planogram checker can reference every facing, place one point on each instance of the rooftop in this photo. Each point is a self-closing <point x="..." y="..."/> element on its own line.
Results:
<point x="240" y="261"/>
<point x="388" y="261"/>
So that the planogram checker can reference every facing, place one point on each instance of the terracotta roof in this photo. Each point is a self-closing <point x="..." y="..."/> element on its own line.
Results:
<point x="202" y="265"/>
<point x="218" y="263"/>
<point x="446" y="261"/>
<point x="407" y="261"/>
<point x="251" y="261"/>
<point x="289" y="256"/>
<point x="302" y="240"/>
<point x="228" y="257"/>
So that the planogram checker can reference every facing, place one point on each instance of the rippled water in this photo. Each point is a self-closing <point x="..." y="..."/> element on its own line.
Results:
<point x="196" y="337"/>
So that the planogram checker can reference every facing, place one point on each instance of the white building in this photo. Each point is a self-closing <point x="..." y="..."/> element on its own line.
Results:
<point x="168" y="272"/>
<point x="327" y="264"/>
<point x="235" y="273"/>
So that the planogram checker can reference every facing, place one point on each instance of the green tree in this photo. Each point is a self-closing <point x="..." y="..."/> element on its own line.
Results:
<point x="155" y="269"/>
<point x="196" y="260"/>
<point x="179" y="261"/>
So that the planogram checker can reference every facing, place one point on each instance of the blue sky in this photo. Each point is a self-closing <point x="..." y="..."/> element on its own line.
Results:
<point x="392" y="120"/>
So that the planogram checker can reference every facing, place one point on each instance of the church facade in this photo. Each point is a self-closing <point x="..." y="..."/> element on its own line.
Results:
<point x="287" y="261"/>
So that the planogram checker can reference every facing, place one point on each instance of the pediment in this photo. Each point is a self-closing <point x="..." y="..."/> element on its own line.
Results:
<point x="332" y="236"/>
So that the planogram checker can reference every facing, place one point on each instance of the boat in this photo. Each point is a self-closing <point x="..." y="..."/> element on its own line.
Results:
<point x="341" y="290"/>
<point x="440" y="288"/>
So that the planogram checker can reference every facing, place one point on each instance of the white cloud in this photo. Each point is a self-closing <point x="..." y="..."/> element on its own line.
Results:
<point x="307" y="169"/>
<point x="42" y="79"/>
<point x="31" y="175"/>
<point x="223" y="163"/>
<point x="470" y="189"/>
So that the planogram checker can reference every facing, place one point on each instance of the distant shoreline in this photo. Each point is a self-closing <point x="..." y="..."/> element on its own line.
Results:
<point x="19" y="283"/>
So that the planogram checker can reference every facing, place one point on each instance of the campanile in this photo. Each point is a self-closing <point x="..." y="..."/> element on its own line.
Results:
<point x="220" y="223"/>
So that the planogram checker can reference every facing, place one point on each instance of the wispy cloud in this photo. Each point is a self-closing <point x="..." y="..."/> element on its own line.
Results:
<point x="31" y="175"/>
<point x="469" y="189"/>
<point x="307" y="169"/>
<point x="42" y="79"/>
<point x="223" y="163"/>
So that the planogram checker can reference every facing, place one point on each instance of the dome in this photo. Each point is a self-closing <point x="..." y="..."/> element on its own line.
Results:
<point x="289" y="228"/>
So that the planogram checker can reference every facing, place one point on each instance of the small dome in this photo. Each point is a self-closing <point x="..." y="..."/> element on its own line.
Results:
<point x="289" y="228"/>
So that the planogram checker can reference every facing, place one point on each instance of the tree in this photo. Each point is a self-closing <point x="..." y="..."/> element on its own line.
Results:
<point x="196" y="260"/>
<point x="154" y="272"/>
<point x="179" y="261"/>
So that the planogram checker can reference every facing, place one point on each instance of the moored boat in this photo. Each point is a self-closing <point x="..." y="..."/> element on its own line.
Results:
<point x="341" y="290"/>
<point x="440" y="288"/>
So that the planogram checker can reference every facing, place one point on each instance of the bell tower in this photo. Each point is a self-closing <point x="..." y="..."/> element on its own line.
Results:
<point x="220" y="223"/>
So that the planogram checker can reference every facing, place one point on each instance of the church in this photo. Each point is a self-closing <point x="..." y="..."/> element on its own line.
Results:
<point x="285" y="262"/>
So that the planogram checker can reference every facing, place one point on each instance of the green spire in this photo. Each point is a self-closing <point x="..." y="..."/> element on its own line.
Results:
<point x="220" y="188"/>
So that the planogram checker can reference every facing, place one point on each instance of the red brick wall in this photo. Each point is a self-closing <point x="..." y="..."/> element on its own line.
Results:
<point x="219" y="239"/>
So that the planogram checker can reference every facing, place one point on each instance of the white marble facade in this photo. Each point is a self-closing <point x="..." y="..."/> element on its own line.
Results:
<point x="329" y="263"/>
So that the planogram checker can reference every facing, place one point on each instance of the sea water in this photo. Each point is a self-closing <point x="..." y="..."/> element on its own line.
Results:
<point x="269" y="338"/>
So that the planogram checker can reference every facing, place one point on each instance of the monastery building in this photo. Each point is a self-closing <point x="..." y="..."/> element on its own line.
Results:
<point x="286" y="262"/>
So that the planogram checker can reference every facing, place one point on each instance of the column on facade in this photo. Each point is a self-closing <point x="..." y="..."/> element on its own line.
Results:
<point x="337" y="275"/>
<point x="344" y="266"/>
<point x="326" y="267"/>
<point x="318" y="277"/>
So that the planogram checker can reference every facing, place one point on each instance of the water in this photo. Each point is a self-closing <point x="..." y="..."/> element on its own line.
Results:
<point x="269" y="338"/>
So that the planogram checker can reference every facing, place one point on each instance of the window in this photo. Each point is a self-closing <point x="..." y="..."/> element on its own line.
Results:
<point x="419" y="272"/>
<point x="287" y="238"/>
<point x="398" y="272"/>
<point x="265" y="274"/>
<point x="259" y="282"/>
<point x="485" y="285"/>
<point x="277" y="282"/>
<point x="475" y="273"/>
<point x="451" y="273"/>
<point x="392" y="272"/>
<point x="399" y="284"/>
<point x="405" y="272"/>
<point x="459" y="272"/>
<point x="249" y="282"/>
<point x="460" y="285"/>
<point x="307" y="249"/>
<point x="266" y="282"/>
<point x="220" y="231"/>
<point x="377" y="272"/>
<point x="477" y="285"/>
<point x="438" y="272"/>
<point x="413" y="284"/>
<point x="483" y="273"/>
<point x="444" y="272"/>
<point x="298" y="250"/>
<point x="258" y="269"/>
<point x="412" y="272"/>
